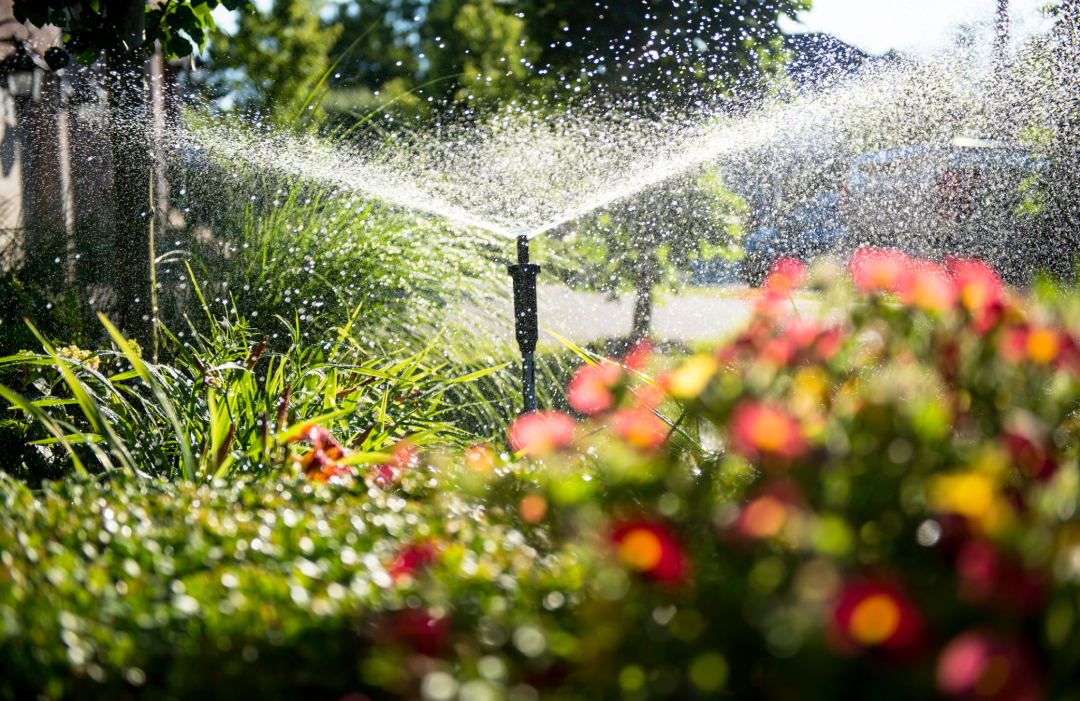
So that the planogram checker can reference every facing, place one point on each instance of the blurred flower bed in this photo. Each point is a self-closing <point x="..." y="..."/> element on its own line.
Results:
<point x="875" y="503"/>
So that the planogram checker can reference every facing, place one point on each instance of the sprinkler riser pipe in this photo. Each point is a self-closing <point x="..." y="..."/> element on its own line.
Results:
<point x="526" y="324"/>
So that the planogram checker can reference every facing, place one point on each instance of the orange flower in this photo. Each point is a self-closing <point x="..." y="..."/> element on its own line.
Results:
<point x="980" y="665"/>
<point x="650" y="548"/>
<point x="762" y="518"/>
<point x="323" y="462"/>
<point x="541" y="433"/>
<point x="590" y="390"/>
<point x="766" y="515"/>
<point x="532" y="508"/>
<point x="875" y="614"/>
<point x="480" y="458"/>
<point x="784" y="277"/>
<point x="1043" y="345"/>
<point x="640" y="428"/>
<point x="760" y="431"/>
<point x="880" y="270"/>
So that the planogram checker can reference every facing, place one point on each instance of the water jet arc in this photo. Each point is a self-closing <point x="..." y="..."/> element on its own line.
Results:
<point x="526" y="325"/>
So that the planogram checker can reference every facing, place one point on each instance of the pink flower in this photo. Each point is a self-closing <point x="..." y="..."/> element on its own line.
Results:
<point x="988" y="577"/>
<point x="880" y="270"/>
<point x="541" y="433"/>
<point x="404" y="456"/>
<point x="590" y="390"/>
<point x="983" y="666"/>
<point x="784" y="277"/>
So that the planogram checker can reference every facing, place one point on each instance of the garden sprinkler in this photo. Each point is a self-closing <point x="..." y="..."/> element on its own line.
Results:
<point x="525" y="322"/>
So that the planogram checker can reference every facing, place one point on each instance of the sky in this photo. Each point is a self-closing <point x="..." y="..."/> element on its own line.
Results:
<point x="876" y="26"/>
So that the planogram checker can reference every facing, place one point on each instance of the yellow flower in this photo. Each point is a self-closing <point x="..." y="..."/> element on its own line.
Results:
<point x="689" y="380"/>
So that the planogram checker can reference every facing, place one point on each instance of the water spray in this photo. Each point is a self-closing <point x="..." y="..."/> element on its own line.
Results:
<point x="525" y="321"/>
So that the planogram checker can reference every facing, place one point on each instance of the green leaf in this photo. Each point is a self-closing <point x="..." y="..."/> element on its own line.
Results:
<point x="182" y="437"/>
<point x="50" y="425"/>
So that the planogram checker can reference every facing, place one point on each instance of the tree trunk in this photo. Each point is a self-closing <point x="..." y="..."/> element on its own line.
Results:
<point x="130" y="141"/>
<point x="646" y="274"/>
<point x="643" y="306"/>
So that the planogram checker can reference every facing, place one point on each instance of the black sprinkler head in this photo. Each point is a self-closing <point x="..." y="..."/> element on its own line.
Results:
<point x="526" y="324"/>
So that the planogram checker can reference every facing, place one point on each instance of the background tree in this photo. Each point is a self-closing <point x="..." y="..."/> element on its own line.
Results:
<point x="1061" y="233"/>
<point x="639" y="245"/>
<point x="125" y="33"/>
<point x="276" y="59"/>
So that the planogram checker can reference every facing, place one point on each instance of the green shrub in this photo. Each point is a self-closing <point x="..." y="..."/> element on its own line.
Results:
<point x="280" y="591"/>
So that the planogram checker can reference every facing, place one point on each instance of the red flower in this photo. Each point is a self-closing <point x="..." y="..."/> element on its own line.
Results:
<point x="761" y="431"/>
<point x="650" y="548"/>
<point x="640" y="428"/>
<point x="1027" y="442"/>
<point x="784" y="277"/>
<point x="881" y="270"/>
<point x="875" y="614"/>
<point x="541" y="433"/>
<point x="931" y="287"/>
<point x="403" y="457"/>
<point x="590" y="390"/>
<point x="411" y="559"/>
<point x="1041" y="345"/>
<point x="988" y="577"/>
<point x="323" y="461"/>
<point x="416" y="629"/>
<point x="983" y="666"/>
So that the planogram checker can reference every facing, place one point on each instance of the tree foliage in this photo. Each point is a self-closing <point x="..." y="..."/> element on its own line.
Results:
<point x="91" y="28"/>
<point x="275" y="59"/>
